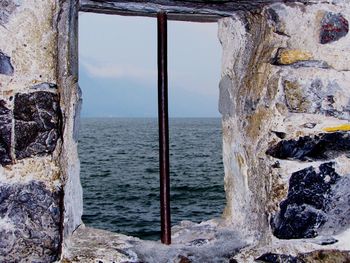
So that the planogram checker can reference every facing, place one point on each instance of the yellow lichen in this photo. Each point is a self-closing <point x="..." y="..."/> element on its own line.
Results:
<point x="290" y="56"/>
<point x="343" y="127"/>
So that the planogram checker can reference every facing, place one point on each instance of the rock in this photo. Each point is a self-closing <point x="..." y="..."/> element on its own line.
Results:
<point x="226" y="106"/>
<point x="317" y="96"/>
<point x="311" y="64"/>
<point x="5" y="134"/>
<point x="319" y="147"/>
<point x="6" y="67"/>
<point x="338" y="211"/>
<point x="333" y="28"/>
<point x="326" y="256"/>
<point x="45" y="86"/>
<point x="290" y="56"/>
<point x="306" y="208"/>
<point x="199" y="242"/>
<point x="296" y="101"/>
<point x="318" y="256"/>
<point x="30" y="217"/>
<point x="37" y="123"/>
<point x="6" y="9"/>
<point x="278" y="258"/>
<point x="183" y="259"/>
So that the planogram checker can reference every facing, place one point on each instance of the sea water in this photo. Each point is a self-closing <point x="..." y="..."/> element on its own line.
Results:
<point x="120" y="173"/>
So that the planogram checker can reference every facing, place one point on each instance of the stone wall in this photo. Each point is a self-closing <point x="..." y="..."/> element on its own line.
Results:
<point x="285" y="97"/>
<point x="34" y="128"/>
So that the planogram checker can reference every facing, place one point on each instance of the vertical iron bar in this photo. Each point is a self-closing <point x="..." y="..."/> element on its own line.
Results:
<point x="163" y="123"/>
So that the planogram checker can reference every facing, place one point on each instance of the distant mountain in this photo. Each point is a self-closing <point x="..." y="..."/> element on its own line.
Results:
<point x="105" y="97"/>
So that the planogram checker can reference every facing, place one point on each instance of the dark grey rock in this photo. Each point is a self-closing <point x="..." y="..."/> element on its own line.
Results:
<point x="308" y="203"/>
<point x="45" y="86"/>
<point x="198" y="242"/>
<point x="333" y="27"/>
<point x="6" y="67"/>
<point x="339" y="208"/>
<point x="323" y="146"/>
<point x="37" y="123"/>
<point x="278" y="258"/>
<point x="311" y="64"/>
<point x="33" y="215"/>
<point x="280" y="135"/>
<point x="5" y="134"/>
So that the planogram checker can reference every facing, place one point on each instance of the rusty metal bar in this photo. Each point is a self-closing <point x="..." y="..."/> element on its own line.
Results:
<point x="163" y="122"/>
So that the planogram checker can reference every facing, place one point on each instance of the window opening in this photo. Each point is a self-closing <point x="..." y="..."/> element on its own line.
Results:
<point x="89" y="216"/>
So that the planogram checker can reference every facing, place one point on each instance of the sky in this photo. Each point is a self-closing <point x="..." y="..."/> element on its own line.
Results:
<point x="118" y="67"/>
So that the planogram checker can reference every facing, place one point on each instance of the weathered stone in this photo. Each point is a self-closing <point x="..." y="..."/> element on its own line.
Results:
<point x="290" y="56"/>
<point x="326" y="256"/>
<point x="226" y="106"/>
<point x="295" y="98"/>
<point x="183" y="259"/>
<point x="305" y="209"/>
<point x="317" y="96"/>
<point x="338" y="210"/>
<point x="199" y="242"/>
<point x="7" y="7"/>
<point x="6" y="67"/>
<point x="317" y="147"/>
<point x="333" y="27"/>
<point x="45" y="86"/>
<point x="311" y="64"/>
<point x="30" y="218"/>
<point x="37" y="123"/>
<point x="278" y="258"/>
<point x="5" y="134"/>
<point x="318" y="256"/>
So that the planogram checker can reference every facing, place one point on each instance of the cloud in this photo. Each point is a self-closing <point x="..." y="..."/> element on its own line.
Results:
<point x="110" y="70"/>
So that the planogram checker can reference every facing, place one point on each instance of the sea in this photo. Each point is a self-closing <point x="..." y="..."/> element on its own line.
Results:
<point x="120" y="173"/>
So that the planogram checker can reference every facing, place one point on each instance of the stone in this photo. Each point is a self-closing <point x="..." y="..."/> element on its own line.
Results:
<point x="333" y="27"/>
<point x="278" y="258"/>
<point x="326" y="256"/>
<point x="45" y="86"/>
<point x="311" y="64"/>
<point x="338" y="210"/>
<point x="226" y="106"/>
<point x="317" y="256"/>
<point x="317" y="96"/>
<point x="199" y="242"/>
<point x="183" y="259"/>
<point x="290" y="56"/>
<point x="37" y="123"/>
<point x="295" y="98"/>
<point x="6" y="67"/>
<point x="323" y="146"/>
<point x="305" y="209"/>
<point x="30" y="217"/>
<point x="5" y="134"/>
<point x="7" y="7"/>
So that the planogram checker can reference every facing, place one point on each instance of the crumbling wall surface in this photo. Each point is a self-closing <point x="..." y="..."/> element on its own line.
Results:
<point x="31" y="132"/>
<point x="285" y="97"/>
